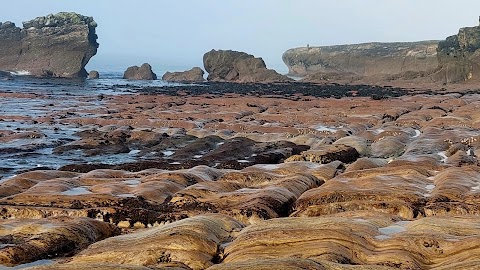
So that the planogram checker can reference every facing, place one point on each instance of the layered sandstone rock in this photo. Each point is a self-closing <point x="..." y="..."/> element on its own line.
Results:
<point x="428" y="243"/>
<point x="26" y="240"/>
<point x="193" y="75"/>
<point x="233" y="66"/>
<point x="363" y="59"/>
<point x="455" y="59"/>
<point x="144" y="72"/>
<point x="194" y="242"/>
<point x="55" y="45"/>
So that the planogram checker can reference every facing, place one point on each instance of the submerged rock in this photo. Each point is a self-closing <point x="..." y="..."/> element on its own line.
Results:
<point x="233" y="66"/>
<point x="55" y="45"/>
<point x="193" y="75"/>
<point x="143" y="72"/>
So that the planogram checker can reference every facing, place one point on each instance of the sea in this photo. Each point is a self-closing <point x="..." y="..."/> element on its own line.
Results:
<point x="18" y="114"/>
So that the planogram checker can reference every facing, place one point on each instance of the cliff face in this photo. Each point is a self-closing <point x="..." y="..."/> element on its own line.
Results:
<point x="455" y="59"/>
<point x="363" y="59"/>
<point x="459" y="56"/>
<point x="55" y="45"/>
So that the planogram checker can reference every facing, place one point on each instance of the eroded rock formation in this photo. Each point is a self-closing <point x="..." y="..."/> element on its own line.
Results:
<point x="233" y="66"/>
<point x="144" y="72"/>
<point x="27" y="240"/>
<point x="55" y="45"/>
<point x="400" y="189"/>
<point x="193" y="75"/>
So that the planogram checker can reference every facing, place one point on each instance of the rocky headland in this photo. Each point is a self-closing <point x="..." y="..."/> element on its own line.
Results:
<point x="57" y="45"/>
<point x="433" y="63"/>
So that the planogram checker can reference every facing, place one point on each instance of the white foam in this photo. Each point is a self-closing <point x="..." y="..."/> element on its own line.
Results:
<point x="175" y="163"/>
<point x="417" y="133"/>
<point x="20" y="73"/>
<point x="168" y="153"/>
<point x="476" y="188"/>
<point x="76" y="191"/>
<point x="197" y="156"/>
<point x="134" y="152"/>
<point x="243" y="161"/>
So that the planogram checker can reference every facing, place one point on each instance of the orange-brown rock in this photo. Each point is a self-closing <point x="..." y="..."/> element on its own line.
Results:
<point x="426" y="243"/>
<point x="25" y="240"/>
<point x="194" y="242"/>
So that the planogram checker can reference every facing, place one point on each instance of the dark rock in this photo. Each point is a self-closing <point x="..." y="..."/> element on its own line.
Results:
<point x="327" y="154"/>
<point x="93" y="74"/>
<point x="55" y="45"/>
<point x="233" y="66"/>
<point x="140" y="73"/>
<point x="193" y="75"/>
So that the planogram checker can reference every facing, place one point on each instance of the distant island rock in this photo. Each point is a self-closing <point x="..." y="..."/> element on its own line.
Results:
<point x="57" y="45"/>
<point x="455" y="59"/>
<point x="233" y="66"/>
<point x="193" y="75"/>
<point x="143" y="72"/>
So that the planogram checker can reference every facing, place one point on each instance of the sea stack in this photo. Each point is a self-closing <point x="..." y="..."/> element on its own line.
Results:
<point x="233" y="66"/>
<point x="143" y="72"/>
<point x="57" y="45"/>
<point x="193" y="75"/>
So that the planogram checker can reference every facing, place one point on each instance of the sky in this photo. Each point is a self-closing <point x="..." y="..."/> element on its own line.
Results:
<point x="173" y="35"/>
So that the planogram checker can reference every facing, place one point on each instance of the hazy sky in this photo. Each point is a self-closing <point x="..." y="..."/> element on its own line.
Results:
<point x="175" y="34"/>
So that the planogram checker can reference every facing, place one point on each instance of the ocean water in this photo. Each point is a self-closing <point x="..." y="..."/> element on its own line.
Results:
<point x="33" y="152"/>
